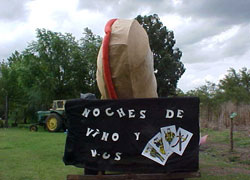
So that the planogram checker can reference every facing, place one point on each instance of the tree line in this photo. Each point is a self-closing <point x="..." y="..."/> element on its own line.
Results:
<point x="230" y="94"/>
<point x="58" y="66"/>
<point x="55" y="66"/>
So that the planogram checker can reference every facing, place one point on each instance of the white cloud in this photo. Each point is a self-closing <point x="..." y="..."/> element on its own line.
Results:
<point x="175" y="22"/>
<point x="50" y="14"/>
<point x="197" y="74"/>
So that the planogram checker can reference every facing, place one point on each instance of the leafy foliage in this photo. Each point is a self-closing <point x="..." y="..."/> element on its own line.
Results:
<point x="167" y="62"/>
<point x="90" y="45"/>
<point x="207" y="94"/>
<point x="55" y="66"/>
<point x="236" y="86"/>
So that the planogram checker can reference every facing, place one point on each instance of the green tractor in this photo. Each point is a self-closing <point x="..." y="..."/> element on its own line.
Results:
<point x="53" y="120"/>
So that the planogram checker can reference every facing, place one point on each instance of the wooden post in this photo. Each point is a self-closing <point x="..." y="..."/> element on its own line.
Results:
<point x="232" y="116"/>
<point x="231" y="135"/>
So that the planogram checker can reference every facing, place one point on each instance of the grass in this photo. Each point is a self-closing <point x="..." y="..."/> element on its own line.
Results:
<point x="26" y="155"/>
<point x="218" y="162"/>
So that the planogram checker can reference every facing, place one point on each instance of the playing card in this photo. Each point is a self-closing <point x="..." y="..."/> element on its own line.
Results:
<point x="152" y="154"/>
<point x="168" y="133"/>
<point x="157" y="143"/>
<point x="180" y="141"/>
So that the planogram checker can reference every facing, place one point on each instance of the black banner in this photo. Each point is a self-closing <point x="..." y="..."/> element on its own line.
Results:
<point x="135" y="135"/>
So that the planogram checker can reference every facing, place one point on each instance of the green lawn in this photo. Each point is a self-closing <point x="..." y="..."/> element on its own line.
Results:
<point x="38" y="155"/>
<point x="28" y="155"/>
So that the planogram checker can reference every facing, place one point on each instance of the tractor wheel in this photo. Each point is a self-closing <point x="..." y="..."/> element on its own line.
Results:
<point x="33" y="128"/>
<point x="53" y="122"/>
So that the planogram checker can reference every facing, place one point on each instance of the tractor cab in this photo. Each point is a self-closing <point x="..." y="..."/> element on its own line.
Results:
<point x="58" y="105"/>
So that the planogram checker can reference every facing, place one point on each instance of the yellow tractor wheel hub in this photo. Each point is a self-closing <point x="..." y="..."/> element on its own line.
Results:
<point x="52" y="123"/>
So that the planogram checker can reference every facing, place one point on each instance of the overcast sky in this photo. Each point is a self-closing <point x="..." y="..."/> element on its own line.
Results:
<point x="213" y="35"/>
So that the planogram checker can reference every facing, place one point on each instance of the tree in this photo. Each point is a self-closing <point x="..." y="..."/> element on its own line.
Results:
<point x="208" y="101"/>
<point x="54" y="66"/>
<point x="90" y="45"/>
<point x="4" y="71"/>
<point x="56" y="59"/>
<point x="235" y="86"/>
<point x="167" y="64"/>
<point x="8" y="88"/>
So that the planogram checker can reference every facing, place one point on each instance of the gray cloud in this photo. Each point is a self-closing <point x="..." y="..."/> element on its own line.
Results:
<point x="125" y="8"/>
<point x="198" y="30"/>
<point x="227" y="11"/>
<point x="208" y="17"/>
<point x="239" y="44"/>
<point x="211" y="17"/>
<point x="18" y="44"/>
<point x="13" y="10"/>
<point x="217" y="16"/>
<point x="7" y="49"/>
<point x="218" y="47"/>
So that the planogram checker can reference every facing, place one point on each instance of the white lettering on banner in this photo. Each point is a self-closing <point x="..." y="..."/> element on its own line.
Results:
<point x="96" y="112"/>
<point x="108" y="113"/>
<point x="96" y="133"/>
<point x="131" y="113"/>
<point x="86" y="112"/>
<point x="93" y="152"/>
<point x="180" y="113"/>
<point x="170" y="113"/>
<point x="89" y="131"/>
<point x="137" y="134"/>
<point x="142" y="114"/>
<point x="115" y="137"/>
<point x="121" y="112"/>
<point x="106" y="155"/>
<point x="105" y="136"/>
<point x="118" y="156"/>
